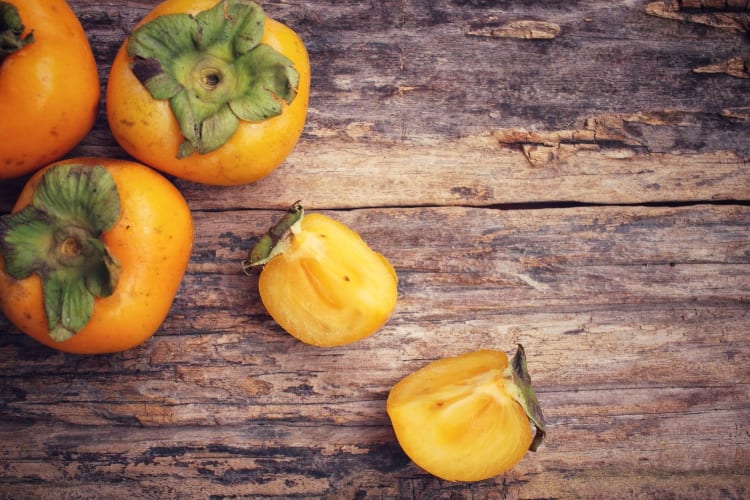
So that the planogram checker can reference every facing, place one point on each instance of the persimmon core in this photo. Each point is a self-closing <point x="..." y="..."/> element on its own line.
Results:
<point x="210" y="78"/>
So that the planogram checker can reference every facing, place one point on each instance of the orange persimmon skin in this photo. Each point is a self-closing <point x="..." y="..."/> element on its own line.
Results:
<point x="152" y="241"/>
<point x="457" y="417"/>
<point x="147" y="129"/>
<point x="49" y="89"/>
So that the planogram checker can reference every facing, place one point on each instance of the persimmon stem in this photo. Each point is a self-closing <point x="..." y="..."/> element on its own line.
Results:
<point x="11" y="31"/>
<point x="69" y="249"/>
<point x="273" y="241"/>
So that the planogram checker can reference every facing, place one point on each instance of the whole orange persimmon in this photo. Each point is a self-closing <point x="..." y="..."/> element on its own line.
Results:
<point x="211" y="91"/>
<point x="92" y="254"/>
<point x="49" y="84"/>
<point x="468" y="417"/>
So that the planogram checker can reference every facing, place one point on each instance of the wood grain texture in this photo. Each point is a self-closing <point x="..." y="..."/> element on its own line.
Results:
<point x="555" y="174"/>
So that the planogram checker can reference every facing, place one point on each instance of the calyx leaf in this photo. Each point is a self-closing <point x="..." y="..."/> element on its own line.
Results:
<point x="527" y="398"/>
<point x="267" y="80"/>
<point x="274" y="240"/>
<point x="58" y="237"/>
<point x="213" y="70"/>
<point x="24" y="240"/>
<point x="86" y="197"/>
<point x="11" y="31"/>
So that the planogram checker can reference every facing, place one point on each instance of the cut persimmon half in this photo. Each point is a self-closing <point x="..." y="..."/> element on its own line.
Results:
<point x="320" y="281"/>
<point x="468" y="417"/>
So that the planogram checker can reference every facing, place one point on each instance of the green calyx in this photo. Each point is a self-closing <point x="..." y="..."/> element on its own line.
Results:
<point x="273" y="242"/>
<point x="11" y="31"/>
<point x="519" y="374"/>
<point x="58" y="237"/>
<point x="213" y="70"/>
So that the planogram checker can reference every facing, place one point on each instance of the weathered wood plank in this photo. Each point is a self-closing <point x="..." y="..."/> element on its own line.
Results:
<point x="650" y="452"/>
<point x="395" y="102"/>
<point x="635" y="320"/>
<point x="480" y="171"/>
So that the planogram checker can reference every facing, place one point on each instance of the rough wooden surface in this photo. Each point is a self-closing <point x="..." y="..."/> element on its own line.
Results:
<point x="573" y="176"/>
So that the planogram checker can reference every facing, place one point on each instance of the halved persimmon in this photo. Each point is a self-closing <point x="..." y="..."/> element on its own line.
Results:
<point x="468" y="417"/>
<point x="320" y="281"/>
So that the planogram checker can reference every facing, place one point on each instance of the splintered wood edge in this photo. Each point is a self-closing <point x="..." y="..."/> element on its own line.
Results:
<point x="525" y="29"/>
<point x="738" y="67"/>
<point x="724" y="19"/>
